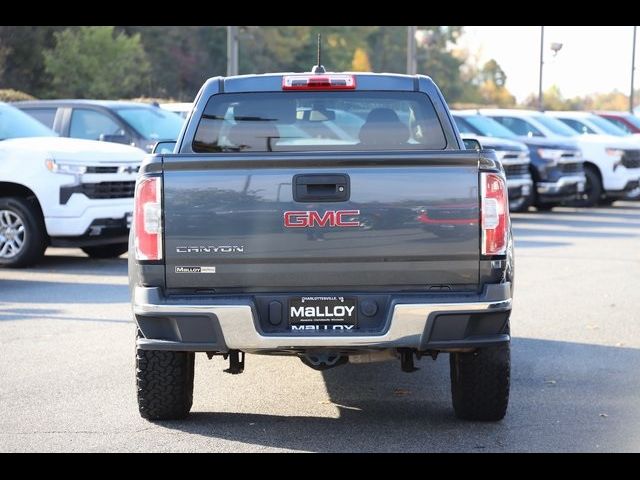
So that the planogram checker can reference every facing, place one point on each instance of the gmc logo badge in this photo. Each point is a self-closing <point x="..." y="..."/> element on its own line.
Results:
<point x="330" y="218"/>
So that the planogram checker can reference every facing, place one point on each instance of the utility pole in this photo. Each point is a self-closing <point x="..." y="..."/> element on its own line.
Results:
<point x="232" y="51"/>
<point x="540" y="101"/>
<point x="412" y="61"/>
<point x="633" y="69"/>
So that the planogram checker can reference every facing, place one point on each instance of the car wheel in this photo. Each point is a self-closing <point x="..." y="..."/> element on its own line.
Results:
<point x="480" y="383"/>
<point x="22" y="233"/>
<point x="164" y="382"/>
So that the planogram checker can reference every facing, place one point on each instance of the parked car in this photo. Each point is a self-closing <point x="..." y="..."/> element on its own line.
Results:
<point x="623" y="120"/>
<point x="612" y="157"/>
<point x="131" y="123"/>
<point x="587" y="123"/>
<point x="556" y="164"/>
<point x="608" y="175"/>
<point x="61" y="191"/>
<point x="321" y="285"/>
<point x="179" y="108"/>
<point x="514" y="157"/>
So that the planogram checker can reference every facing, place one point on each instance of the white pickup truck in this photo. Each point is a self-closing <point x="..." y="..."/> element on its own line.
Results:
<point x="61" y="191"/>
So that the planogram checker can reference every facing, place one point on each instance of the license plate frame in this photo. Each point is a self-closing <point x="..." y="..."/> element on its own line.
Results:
<point x="322" y="311"/>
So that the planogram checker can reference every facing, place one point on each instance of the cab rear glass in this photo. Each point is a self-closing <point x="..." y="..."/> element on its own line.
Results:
<point x="302" y="121"/>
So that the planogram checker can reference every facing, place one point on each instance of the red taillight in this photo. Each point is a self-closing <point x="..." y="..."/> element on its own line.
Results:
<point x="319" y="82"/>
<point x="148" y="219"/>
<point x="495" y="211"/>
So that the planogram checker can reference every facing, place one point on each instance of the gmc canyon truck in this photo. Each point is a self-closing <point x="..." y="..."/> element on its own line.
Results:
<point x="254" y="235"/>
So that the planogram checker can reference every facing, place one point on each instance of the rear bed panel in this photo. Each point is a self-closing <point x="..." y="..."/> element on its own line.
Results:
<point x="224" y="215"/>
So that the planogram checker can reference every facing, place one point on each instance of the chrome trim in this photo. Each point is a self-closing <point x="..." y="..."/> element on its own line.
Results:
<point x="406" y="329"/>
<point x="562" y="182"/>
<point x="519" y="182"/>
<point x="522" y="157"/>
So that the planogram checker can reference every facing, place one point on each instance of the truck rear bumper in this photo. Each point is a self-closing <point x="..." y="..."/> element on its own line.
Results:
<point x="230" y="324"/>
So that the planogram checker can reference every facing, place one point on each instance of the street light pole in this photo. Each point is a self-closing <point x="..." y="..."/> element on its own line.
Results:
<point x="540" y="101"/>
<point x="633" y="69"/>
<point x="412" y="62"/>
<point x="232" y="51"/>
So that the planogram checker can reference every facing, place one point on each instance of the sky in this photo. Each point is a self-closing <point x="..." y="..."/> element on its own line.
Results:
<point x="592" y="59"/>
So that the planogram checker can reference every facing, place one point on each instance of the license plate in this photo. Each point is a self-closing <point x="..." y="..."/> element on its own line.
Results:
<point x="127" y="218"/>
<point x="330" y="313"/>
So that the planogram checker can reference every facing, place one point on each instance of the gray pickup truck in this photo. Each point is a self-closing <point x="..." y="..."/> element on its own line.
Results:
<point x="330" y="216"/>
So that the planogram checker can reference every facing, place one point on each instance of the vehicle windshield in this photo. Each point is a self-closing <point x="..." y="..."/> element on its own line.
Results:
<point x="15" y="123"/>
<point x="555" y="126"/>
<point x="488" y="127"/>
<point x="607" y="127"/>
<point x="319" y="121"/>
<point x="153" y="123"/>
<point x="635" y="121"/>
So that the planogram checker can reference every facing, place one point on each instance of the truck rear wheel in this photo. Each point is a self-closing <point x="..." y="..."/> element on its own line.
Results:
<point x="22" y="233"/>
<point x="165" y="383"/>
<point x="480" y="383"/>
<point x="112" y="250"/>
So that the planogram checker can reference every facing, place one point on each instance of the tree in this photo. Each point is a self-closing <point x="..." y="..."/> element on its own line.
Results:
<point x="492" y="72"/>
<point x="21" y="58"/>
<point x="181" y="58"/>
<point x="492" y="89"/>
<point x="96" y="62"/>
<point x="360" y="62"/>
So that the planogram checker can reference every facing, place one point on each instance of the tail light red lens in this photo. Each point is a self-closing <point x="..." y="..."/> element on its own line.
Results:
<point x="494" y="216"/>
<point x="148" y="219"/>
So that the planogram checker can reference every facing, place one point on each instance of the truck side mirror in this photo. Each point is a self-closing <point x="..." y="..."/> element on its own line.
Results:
<point x="471" y="144"/>
<point x="115" y="138"/>
<point x="164" y="147"/>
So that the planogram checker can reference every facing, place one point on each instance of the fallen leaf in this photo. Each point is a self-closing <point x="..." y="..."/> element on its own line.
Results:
<point x="401" y="392"/>
<point x="620" y="344"/>
<point x="592" y="327"/>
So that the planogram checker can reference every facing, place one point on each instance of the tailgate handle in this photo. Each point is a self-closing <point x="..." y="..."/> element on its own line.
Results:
<point x="321" y="187"/>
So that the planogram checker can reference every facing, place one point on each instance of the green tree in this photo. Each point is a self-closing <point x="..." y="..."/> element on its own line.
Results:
<point x="21" y="58"/>
<point x="96" y="62"/>
<point x="181" y="58"/>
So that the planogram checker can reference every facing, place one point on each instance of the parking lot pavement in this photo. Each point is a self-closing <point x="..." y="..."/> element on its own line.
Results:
<point x="66" y="375"/>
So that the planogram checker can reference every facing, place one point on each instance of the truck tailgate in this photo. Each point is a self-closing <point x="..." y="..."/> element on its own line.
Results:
<point x="410" y="221"/>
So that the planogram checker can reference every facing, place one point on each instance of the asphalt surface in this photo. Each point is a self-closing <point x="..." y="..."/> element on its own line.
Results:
<point x="66" y="364"/>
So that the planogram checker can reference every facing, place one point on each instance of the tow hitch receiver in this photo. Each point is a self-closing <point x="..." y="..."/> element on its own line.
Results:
<point x="236" y="362"/>
<point x="406" y="360"/>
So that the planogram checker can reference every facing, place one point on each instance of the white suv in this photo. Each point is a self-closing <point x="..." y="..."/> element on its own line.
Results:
<point x="61" y="191"/>
<point x="611" y="163"/>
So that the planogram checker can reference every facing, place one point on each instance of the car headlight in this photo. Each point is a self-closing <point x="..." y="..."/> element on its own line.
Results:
<point x="69" y="168"/>
<point x="550" y="154"/>
<point x="615" y="152"/>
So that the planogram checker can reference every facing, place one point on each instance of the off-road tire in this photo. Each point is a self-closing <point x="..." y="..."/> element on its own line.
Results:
<point x="35" y="236"/>
<point x="165" y="383"/>
<point x="112" y="250"/>
<point x="480" y="383"/>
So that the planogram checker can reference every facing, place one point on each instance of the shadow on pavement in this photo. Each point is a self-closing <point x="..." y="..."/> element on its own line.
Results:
<point x="564" y="397"/>
<point x="81" y="265"/>
<point x="41" y="291"/>
<point x="519" y="232"/>
<point x="49" y="314"/>
<point x="576" y="223"/>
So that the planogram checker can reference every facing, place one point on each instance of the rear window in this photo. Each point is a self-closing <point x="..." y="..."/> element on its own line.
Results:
<point x="318" y="121"/>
